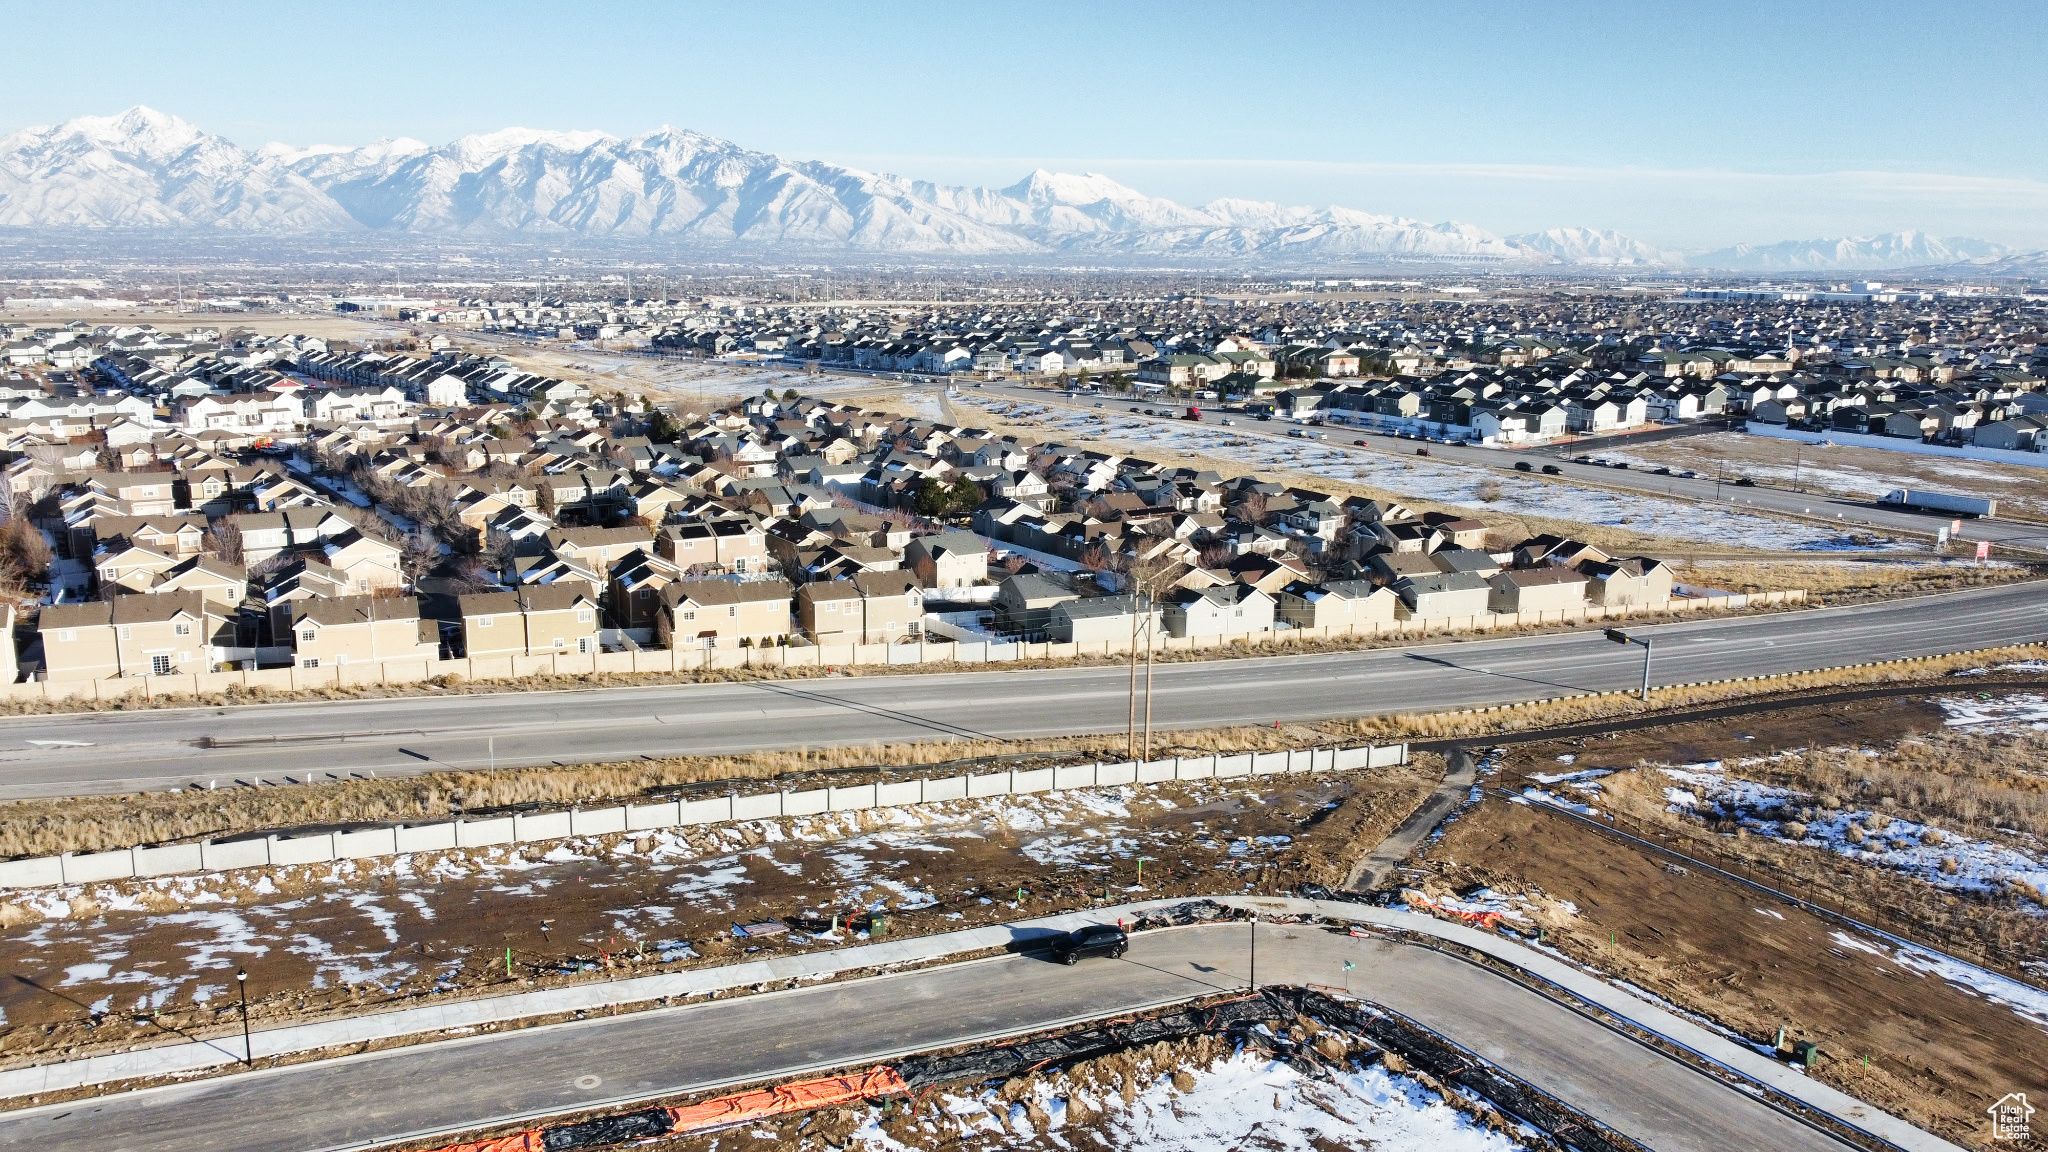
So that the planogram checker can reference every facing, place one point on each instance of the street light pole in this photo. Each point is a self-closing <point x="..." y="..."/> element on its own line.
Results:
<point x="1620" y="637"/>
<point x="248" y="1050"/>
<point x="1254" y="924"/>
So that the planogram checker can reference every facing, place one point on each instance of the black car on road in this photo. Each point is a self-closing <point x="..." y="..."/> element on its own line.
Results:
<point x="1093" y="940"/>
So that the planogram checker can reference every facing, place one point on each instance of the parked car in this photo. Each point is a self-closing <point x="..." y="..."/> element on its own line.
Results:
<point x="1226" y="420"/>
<point x="1297" y="433"/>
<point x="1317" y="436"/>
<point x="1098" y="403"/>
<point x="1524" y="466"/>
<point x="1093" y="940"/>
<point x="1358" y="443"/>
<point x="1744" y="482"/>
<point x="1660" y="471"/>
<point x="1552" y="470"/>
<point x="1134" y="409"/>
<point x="1422" y="451"/>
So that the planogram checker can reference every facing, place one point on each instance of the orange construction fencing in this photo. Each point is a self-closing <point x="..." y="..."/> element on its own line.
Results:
<point x="800" y="1096"/>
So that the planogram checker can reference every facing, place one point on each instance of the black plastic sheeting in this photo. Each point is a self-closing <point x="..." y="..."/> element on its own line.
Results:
<point x="1188" y="912"/>
<point x="609" y="1130"/>
<point x="1004" y="1061"/>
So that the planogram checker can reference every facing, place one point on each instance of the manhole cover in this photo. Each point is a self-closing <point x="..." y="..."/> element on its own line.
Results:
<point x="588" y="1082"/>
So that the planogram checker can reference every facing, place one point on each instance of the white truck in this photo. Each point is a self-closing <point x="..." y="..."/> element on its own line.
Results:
<point x="1941" y="502"/>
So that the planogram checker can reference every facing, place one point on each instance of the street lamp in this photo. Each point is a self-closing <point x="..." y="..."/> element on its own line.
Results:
<point x="248" y="1051"/>
<point x="1253" y="982"/>
<point x="1620" y="637"/>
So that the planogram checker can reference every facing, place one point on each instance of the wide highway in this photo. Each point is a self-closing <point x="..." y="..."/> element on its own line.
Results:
<point x="106" y="752"/>
<point x="413" y="1093"/>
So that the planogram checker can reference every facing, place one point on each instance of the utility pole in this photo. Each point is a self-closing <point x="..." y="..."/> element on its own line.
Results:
<point x="1145" y="602"/>
<point x="1620" y="637"/>
<point x="1131" y="728"/>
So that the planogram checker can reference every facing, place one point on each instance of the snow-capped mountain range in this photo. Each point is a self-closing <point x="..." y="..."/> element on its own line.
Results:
<point x="146" y="169"/>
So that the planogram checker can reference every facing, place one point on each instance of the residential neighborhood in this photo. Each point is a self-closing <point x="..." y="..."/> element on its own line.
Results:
<point x="340" y="508"/>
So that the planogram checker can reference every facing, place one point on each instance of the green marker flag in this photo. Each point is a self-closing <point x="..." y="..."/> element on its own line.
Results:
<point x="1348" y="965"/>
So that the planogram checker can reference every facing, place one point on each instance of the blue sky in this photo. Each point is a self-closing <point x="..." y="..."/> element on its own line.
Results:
<point x="1686" y="124"/>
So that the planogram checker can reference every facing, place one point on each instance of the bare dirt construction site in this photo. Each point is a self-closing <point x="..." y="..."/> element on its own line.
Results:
<point x="1867" y="473"/>
<point x="1920" y="815"/>
<point x="118" y="963"/>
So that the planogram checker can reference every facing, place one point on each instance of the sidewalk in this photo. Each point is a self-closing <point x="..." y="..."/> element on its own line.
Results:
<point x="468" y="1015"/>
<point x="225" y="1051"/>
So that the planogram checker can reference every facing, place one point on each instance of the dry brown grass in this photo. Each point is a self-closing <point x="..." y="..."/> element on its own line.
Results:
<point x="1841" y="580"/>
<point x="95" y="823"/>
<point x="1547" y="714"/>
<point x="86" y="824"/>
<point x="1993" y="929"/>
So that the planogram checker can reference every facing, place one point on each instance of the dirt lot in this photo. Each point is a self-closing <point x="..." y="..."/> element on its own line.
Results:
<point x="1865" y="472"/>
<point x="114" y="963"/>
<point x="1938" y="1049"/>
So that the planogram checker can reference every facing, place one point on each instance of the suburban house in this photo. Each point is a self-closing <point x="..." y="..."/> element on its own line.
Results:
<point x="530" y="620"/>
<point x="1550" y="589"/>
<point x="1635" y="582"/>
<point x="723" y="613"/>
<point x="952" y="559"/>
<point x="1442" y="596"/>
<point x="173" y="633"/>
<point x="1335" y="604"/>
<point x="1024" y="602"/>
<point x="1222" y="610"/>
<point x="1103" y="619"/>
<point x="328" y="633"/>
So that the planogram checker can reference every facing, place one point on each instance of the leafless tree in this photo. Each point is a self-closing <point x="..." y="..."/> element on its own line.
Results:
<point x="224" y="539"/>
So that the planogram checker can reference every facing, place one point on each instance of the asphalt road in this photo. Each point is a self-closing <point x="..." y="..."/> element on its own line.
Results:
<point x="429" y="1089"/>
<point x="1816" y="505"/>
<point x="153" y="749"/>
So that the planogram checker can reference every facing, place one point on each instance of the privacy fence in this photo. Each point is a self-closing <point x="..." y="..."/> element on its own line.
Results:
<point x="524" y="828"/>
<point x="672" y="660"/>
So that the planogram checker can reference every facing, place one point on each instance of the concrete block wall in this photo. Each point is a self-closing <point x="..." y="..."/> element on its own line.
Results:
<point x="540" y="827"/>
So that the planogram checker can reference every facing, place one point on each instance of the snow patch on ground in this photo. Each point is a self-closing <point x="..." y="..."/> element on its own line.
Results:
<point x="1445" y="482"/>
<point x="1244" y="1100"/>
<point x="1937" y="856"/>
<point x="2020" y="712"/>
<point x="2028" y="1002"/>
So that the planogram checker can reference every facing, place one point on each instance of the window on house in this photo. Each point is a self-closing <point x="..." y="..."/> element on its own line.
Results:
<point x="583" y="644"/>
<point x="733" y="611"/>
<point x="182" y="628"/>
<point x="126" y="633"/>
<point x="561" y="642"/>
<point x="310" y="662"/>
<point x="486" y="621"/>
<point x="309" y="635"/>
<point x="160" y="665"/>
<point x="67" y="635"/>
<point x="689" y="615"/>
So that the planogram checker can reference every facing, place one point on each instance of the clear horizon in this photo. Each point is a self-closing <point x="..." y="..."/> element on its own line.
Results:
<point x="1682" y="128"/>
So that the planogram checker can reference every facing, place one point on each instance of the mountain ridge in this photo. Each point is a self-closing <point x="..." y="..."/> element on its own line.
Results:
<point x="146" y="169"/>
